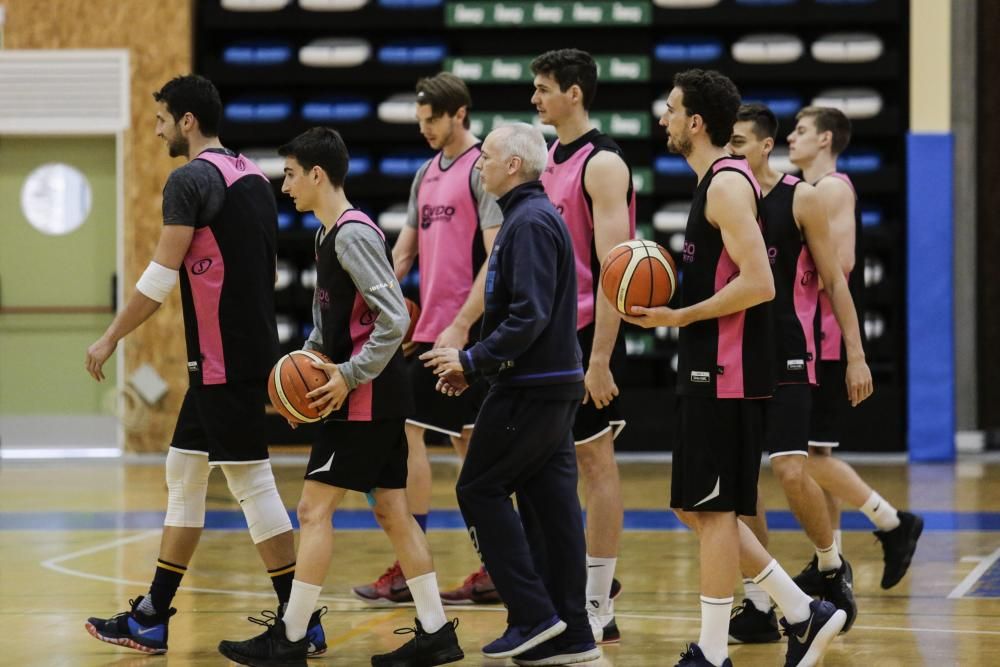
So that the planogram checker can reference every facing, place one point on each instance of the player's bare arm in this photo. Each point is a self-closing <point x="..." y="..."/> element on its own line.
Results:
<point x="730" y="207"/>
<point x="404" y="251"/>
<point x="606" y="180"/>
<point x="810" y="213"/>
<point x="839" y="199"/>
<point x="170" y="251"/>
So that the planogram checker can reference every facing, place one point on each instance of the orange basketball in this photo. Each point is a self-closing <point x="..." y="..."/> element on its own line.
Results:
<point x="291" y="379"/>
<point x="638" y="273"/>
<point x="414" y="311"/>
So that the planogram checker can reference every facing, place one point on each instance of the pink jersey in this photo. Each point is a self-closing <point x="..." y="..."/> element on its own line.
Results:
<point x="447" y="235"/>
<point x="563" y="181"/>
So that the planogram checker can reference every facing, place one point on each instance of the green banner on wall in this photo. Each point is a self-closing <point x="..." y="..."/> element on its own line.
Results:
<point x="517" y="69"/>
<point x="618" y="124"/>
<point x="551" y="14"/>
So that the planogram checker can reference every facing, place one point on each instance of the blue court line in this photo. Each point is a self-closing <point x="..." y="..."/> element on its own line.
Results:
<point x="356" y="519"/>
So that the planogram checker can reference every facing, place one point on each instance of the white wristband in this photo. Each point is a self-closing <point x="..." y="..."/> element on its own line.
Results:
<point x="157" y="281"/>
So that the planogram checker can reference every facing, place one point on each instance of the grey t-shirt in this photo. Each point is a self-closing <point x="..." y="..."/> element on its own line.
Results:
<point x="361" y="252"/>
<point x="489" y="212"/>
<point x="194" y="193"/>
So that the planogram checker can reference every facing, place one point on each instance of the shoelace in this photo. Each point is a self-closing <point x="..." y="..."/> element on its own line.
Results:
<point x="269" y="618"/>
<point x="388" y="575"/>
<point x="131" y="605"/>
<point x="419" y="630"/>
<point x="478" y="575"/>
<point x="688" y="653"/>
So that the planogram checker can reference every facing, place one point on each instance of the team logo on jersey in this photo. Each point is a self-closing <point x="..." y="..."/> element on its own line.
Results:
<point x="701" y="377"/>
<point x="795" y="365"/>
<point x="561" y="209"/>
<point x="241" y="164"/>
<point x="688" y="253"/>
<point x="808" y="277"/>
<point x="323" y="298"/>
<point x="201" y="266"/>
<point x="431" y="214"/>
<point x="368" y="317"/>
<point x="772" y="254"/>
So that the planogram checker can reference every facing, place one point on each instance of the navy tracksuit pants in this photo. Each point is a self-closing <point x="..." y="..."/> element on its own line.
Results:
<point x="523" y="444"/>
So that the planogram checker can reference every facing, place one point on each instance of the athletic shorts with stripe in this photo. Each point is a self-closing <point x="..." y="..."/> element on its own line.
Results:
<point x="360" y="456"/>
<point x="225" y="422"/>
<point x="591" y="423"/>
<point x="436" y="411"/>
<point x="829" y="404"/>
<point x="716" y="458"/>
<point x="786" y="420"/>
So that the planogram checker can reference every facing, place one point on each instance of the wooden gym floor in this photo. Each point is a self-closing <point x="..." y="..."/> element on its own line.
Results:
<point x="79" y="538"/>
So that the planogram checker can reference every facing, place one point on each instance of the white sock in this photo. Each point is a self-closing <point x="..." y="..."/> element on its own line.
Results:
<point x="880" y="512"/>
<point x="427" y="600"/>
<point x="829" y="558"/>
<point x="300" y="607"/>
<point x="794" y="604"/>
<point x="838" y="539"/>
<point x="600" y="572"/>
<point x="714" y="638"/>
<point x="757" y="595"/>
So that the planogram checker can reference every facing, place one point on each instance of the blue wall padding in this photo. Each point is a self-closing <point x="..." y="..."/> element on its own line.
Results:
<point x="929" y="298"/>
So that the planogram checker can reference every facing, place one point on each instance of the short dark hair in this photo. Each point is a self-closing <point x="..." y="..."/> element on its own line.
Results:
<point x="765" y="123"/>
<point x="712" y="96"/>
<point x="196" y="95"/>
<point x="320" y="147"/>
<point x="446" y="94"/>
<point x="569" y="67"/>
<point x="829" y="119"/>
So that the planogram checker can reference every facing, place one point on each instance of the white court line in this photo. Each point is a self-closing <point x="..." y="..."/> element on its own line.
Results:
<point x="974" y="576"/>
<point x="52" y="564"/>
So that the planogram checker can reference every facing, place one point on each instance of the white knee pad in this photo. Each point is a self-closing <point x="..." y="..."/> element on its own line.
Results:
<point x="187" y="485"/>
<point x="252" y="484"/>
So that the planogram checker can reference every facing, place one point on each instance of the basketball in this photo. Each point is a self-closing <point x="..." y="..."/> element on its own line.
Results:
<point x="291" y="379"/>
<point x="414" y="312"/>
<point x="638" y="273"/>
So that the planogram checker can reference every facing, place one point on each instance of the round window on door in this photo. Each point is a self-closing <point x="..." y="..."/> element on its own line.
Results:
<point x="56" y="198"/>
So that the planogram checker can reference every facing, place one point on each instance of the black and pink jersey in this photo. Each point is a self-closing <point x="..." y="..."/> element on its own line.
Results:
<point x="450" y="242"/>
<point x="563" y="182"/>
<point x="831" y="345"/>
<point x="796" y="287"/>
<point x="731" y="356"/>
<point x="227" y="281"/>
<point x="348" y="322"/>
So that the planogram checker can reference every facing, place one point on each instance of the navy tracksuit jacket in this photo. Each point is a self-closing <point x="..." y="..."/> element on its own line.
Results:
<point x="523" y="443"/>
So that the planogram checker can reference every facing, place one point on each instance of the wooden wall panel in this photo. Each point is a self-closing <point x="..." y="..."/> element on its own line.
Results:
<point x="159" y="39"/>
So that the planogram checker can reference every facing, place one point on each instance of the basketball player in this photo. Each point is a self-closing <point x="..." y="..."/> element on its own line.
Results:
<point x="522" y="443"/>
<point x="821" y="134"/>
<point x="800" y="251"/>
<point x="725" y="368"/>
<point x="219" y="239"/>
<point x="361" y="447"/>
<point x="588" y="180"/>
<point x="451" y="223"/>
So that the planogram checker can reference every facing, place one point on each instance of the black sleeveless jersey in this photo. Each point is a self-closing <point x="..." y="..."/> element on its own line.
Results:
<point x="796" y="286"/>
<point x="731" y="356"/>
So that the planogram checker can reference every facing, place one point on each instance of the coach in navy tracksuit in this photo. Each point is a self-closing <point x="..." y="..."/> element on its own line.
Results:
<point x="522" y="442"/>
